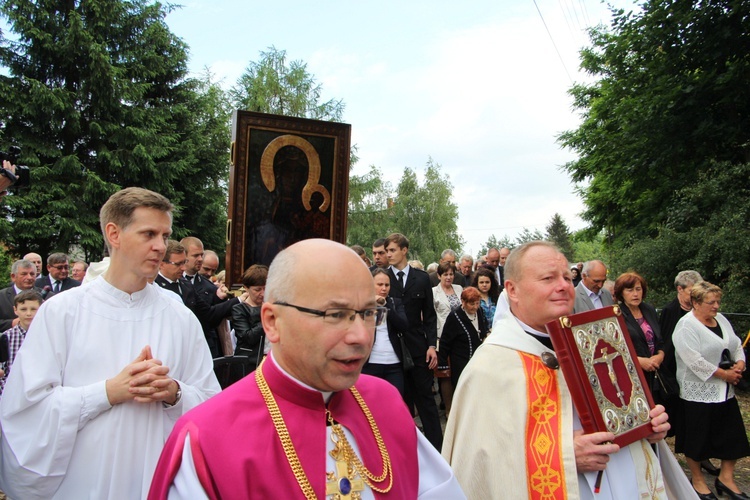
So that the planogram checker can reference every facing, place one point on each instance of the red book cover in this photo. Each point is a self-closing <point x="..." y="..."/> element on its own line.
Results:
<point x="602" y="371"/>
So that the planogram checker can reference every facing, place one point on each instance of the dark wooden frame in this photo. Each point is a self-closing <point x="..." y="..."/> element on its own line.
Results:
<point x="257" y="140"/>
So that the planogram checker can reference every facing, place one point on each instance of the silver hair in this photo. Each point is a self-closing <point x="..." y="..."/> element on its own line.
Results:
<point x="21" y="264"/>
<point x="589" y="264"/>
<point x="448" y="252"/>
<point x="467" y="258"/>
<point x="687" y="278"/>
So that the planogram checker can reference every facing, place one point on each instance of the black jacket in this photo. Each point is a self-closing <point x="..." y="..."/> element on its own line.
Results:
<point x="420" y="311"/>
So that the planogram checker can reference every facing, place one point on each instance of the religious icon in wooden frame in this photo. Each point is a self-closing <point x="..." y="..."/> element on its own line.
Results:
<point x="288" y="181"/>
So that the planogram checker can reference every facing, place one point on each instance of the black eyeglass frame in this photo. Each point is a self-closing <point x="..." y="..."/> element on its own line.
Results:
<point x="380" y="312"/>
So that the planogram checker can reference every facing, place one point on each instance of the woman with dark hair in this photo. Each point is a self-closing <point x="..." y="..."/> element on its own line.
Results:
<point x="576" y="275"/>
<point x="246" y="315"/>
<point x="465" y="329"/>
<point x="445" y="294"/>
<point x="489" y="290"/>
<point x="642" y="322"/>
<point x="386" y="357"/>
<point x="710" y="362"/>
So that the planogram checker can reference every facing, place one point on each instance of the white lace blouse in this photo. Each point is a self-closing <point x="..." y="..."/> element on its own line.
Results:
<point x="698" y="351"/>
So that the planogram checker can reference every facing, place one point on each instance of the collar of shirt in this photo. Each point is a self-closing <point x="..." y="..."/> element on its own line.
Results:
<point x="165" y="278"/>
<point x="405" y="270"/>
<point x="589" y="292"/>
<point x="529" y="329"/>
<point x="326" y="395"/>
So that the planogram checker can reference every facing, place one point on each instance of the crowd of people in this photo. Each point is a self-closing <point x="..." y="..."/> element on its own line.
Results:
<point x="109" y="391"/>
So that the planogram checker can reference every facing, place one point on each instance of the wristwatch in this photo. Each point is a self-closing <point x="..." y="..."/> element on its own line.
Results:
<point x="177" y="396"/>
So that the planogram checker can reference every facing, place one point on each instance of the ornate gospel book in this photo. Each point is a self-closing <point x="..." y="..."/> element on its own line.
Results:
<point x="602" y="371"/>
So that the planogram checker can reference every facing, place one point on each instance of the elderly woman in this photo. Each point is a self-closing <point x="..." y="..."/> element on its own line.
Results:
<point x="489" y="290"/>
<point x="386" y="357"/>
<point x="642" y="322"/>
<point x="246" y="315"/>
<point x="464" y="330"/>
<point x="710" y="362"/>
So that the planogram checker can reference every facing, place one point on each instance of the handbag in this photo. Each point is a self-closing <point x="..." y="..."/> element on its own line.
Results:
<point x="726" y="361"/>
<point x="664" y="386"/>
<point x="406" y="361"/>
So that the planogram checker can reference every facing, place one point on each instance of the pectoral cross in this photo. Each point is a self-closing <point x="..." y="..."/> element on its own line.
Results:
<point x="339" y="486"/>
<point x="609" y="358"/>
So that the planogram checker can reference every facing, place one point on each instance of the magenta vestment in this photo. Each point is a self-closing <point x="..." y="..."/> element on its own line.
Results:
<point x="238" y="454"/>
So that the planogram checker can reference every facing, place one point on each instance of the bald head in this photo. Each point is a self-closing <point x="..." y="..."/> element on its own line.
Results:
<point x="35" y="259"/>
<point x="290" y="270"/>
<point x="323" y="350"/>
<point x="210" y="264"/>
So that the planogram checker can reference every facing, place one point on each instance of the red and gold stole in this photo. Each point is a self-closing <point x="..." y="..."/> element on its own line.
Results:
<point x="544" y="462"/>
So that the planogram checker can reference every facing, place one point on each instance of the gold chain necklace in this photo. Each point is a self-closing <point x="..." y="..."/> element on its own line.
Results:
<point x="291" y="453"/>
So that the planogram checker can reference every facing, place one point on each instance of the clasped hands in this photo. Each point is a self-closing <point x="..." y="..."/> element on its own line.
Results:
<point x="593" y="450"/>
<point x="144" y="380"/>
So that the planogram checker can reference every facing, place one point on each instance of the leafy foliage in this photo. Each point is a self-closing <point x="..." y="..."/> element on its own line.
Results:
<point x="559" y="234"/>
<point x="273" y="86"/>
<point x="370" y="201"/>
<point x="97" y="98"/>
<point x="425" y="212"/>
<point x="670" y="98"/>
<point x="663" y="146"/>
<point x="493" y="242"/>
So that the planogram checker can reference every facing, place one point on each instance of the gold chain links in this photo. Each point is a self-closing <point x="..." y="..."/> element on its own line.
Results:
<point x="291" y="453"/>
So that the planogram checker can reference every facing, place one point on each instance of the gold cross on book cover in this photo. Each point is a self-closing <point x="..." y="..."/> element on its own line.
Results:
<point x="601" y="369"/>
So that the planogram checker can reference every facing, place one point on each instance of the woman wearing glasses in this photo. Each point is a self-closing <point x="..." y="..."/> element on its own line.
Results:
<point x="246" y="315"/>
<point x="710" y="362"/>
<point x="386" y="358"/>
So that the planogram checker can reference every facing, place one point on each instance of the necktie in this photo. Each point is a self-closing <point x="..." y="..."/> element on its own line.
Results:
<point x="56" y="287"/>
<point x="189" y="278"/>
<point x="401" y="278"/>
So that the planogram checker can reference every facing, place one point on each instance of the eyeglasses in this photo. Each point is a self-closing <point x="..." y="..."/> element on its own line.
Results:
<point x="61" y="267"/>
<point x="341" y="316"/>
<point x="181" y="263"/>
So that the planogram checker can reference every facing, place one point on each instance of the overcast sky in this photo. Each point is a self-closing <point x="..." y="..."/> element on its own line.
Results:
<point x="478" y="86"/>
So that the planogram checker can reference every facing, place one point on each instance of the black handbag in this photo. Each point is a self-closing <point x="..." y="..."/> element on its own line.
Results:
<point x="664" y="386"/>
<point x="406" y="360"/>
<point x="726" y="361"/>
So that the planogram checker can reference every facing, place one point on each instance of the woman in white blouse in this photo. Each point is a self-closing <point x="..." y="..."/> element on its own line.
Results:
<point x="713" y="426"/>
<point x="446" y="296"/>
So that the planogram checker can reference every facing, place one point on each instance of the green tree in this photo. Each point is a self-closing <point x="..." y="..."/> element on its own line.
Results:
<point x="369" y="215"/>
<point x="493" y="242"/>
<point x="273" y="86"/>
<point x="96" y="96"/>
<point x="670" y="98"/>
<point x="663" y="145"/>
<point x="559" y="234"/>
<point x="526" y="235"/>
<point x="426" y="213"/>
<point x="201" y="194"/>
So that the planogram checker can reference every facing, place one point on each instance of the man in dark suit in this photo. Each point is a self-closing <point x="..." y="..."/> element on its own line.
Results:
<point x="590" y="293"/>
<point x="22" y="274"/>
<point x="57" y="279"/>
<point x="195" y="258"/>
<point x="171" y="278"/>
<point x="413" y="287"/>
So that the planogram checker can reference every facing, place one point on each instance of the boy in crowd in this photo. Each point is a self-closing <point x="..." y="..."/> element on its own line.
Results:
<point x="25" y="305"/>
